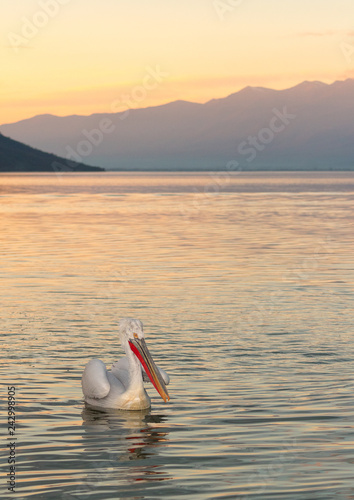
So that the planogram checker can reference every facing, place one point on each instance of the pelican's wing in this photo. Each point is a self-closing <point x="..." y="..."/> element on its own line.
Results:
<point x="94" y="381"/>
<point x="120" y="370"/>
<point x="121" y="364"/>
<point x="163" y="374"/>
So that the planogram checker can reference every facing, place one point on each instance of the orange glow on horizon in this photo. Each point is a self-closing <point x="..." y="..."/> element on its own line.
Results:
<point x="54" y="64"/>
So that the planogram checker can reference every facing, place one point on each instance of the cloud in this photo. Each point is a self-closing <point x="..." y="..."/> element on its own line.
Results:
<point x="325" y="33"/>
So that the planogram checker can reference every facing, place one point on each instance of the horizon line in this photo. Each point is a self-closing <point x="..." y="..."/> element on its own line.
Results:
<point x="183" y="100"/>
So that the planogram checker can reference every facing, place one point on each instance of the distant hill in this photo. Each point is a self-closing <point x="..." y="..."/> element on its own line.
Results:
<point x="17" y="157"/>
<point x="309" y="126"/>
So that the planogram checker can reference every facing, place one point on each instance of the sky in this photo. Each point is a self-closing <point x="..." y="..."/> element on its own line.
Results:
<point x="69" y="57"/>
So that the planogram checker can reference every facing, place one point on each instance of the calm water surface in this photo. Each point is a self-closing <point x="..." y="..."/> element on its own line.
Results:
<point x="245" y="287"/>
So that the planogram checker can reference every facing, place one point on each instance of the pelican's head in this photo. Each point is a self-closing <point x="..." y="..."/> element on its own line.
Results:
<point x="130" y="328"/>
<point x="132" y="335"/>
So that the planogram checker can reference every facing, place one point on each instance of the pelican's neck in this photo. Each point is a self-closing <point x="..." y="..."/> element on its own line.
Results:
<point x="135" y="371"/>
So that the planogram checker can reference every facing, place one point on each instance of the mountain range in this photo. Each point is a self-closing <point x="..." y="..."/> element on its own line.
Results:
<point x="17" y="157"/>
<point x="309" y="126"/>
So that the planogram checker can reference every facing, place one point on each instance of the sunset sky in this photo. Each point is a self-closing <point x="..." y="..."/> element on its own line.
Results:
<point x="86" y="56"/>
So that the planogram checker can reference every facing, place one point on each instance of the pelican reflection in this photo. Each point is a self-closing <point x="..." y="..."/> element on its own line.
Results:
<point x="119" y="437"/>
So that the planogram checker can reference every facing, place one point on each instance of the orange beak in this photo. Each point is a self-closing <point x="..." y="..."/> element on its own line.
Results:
<point x="139" y="348"/>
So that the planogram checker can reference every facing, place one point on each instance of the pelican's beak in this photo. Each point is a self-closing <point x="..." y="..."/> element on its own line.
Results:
<point x="139" y="348"/>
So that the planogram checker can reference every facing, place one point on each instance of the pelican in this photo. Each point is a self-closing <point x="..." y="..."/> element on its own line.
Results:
<point x="122" y="387"/>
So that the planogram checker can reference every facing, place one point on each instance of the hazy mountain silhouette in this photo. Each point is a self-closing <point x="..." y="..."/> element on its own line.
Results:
<point x="309" y="126"/>
<point x="17" y="157"/>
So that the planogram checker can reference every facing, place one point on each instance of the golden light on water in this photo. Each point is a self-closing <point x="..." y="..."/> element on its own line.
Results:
<point x="246" y="299"/>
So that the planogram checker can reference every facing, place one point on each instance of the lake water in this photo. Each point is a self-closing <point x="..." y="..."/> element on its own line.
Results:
<point x="244" y="283"/>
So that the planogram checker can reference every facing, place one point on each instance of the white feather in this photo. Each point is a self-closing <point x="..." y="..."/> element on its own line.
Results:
<point x="95" y="382"/>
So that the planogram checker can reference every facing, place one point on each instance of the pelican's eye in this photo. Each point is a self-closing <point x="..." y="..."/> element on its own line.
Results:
<point x="135" y="335"/>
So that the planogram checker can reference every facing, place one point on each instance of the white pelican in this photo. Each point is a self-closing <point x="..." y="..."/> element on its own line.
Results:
<point x="122" y="387"/>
